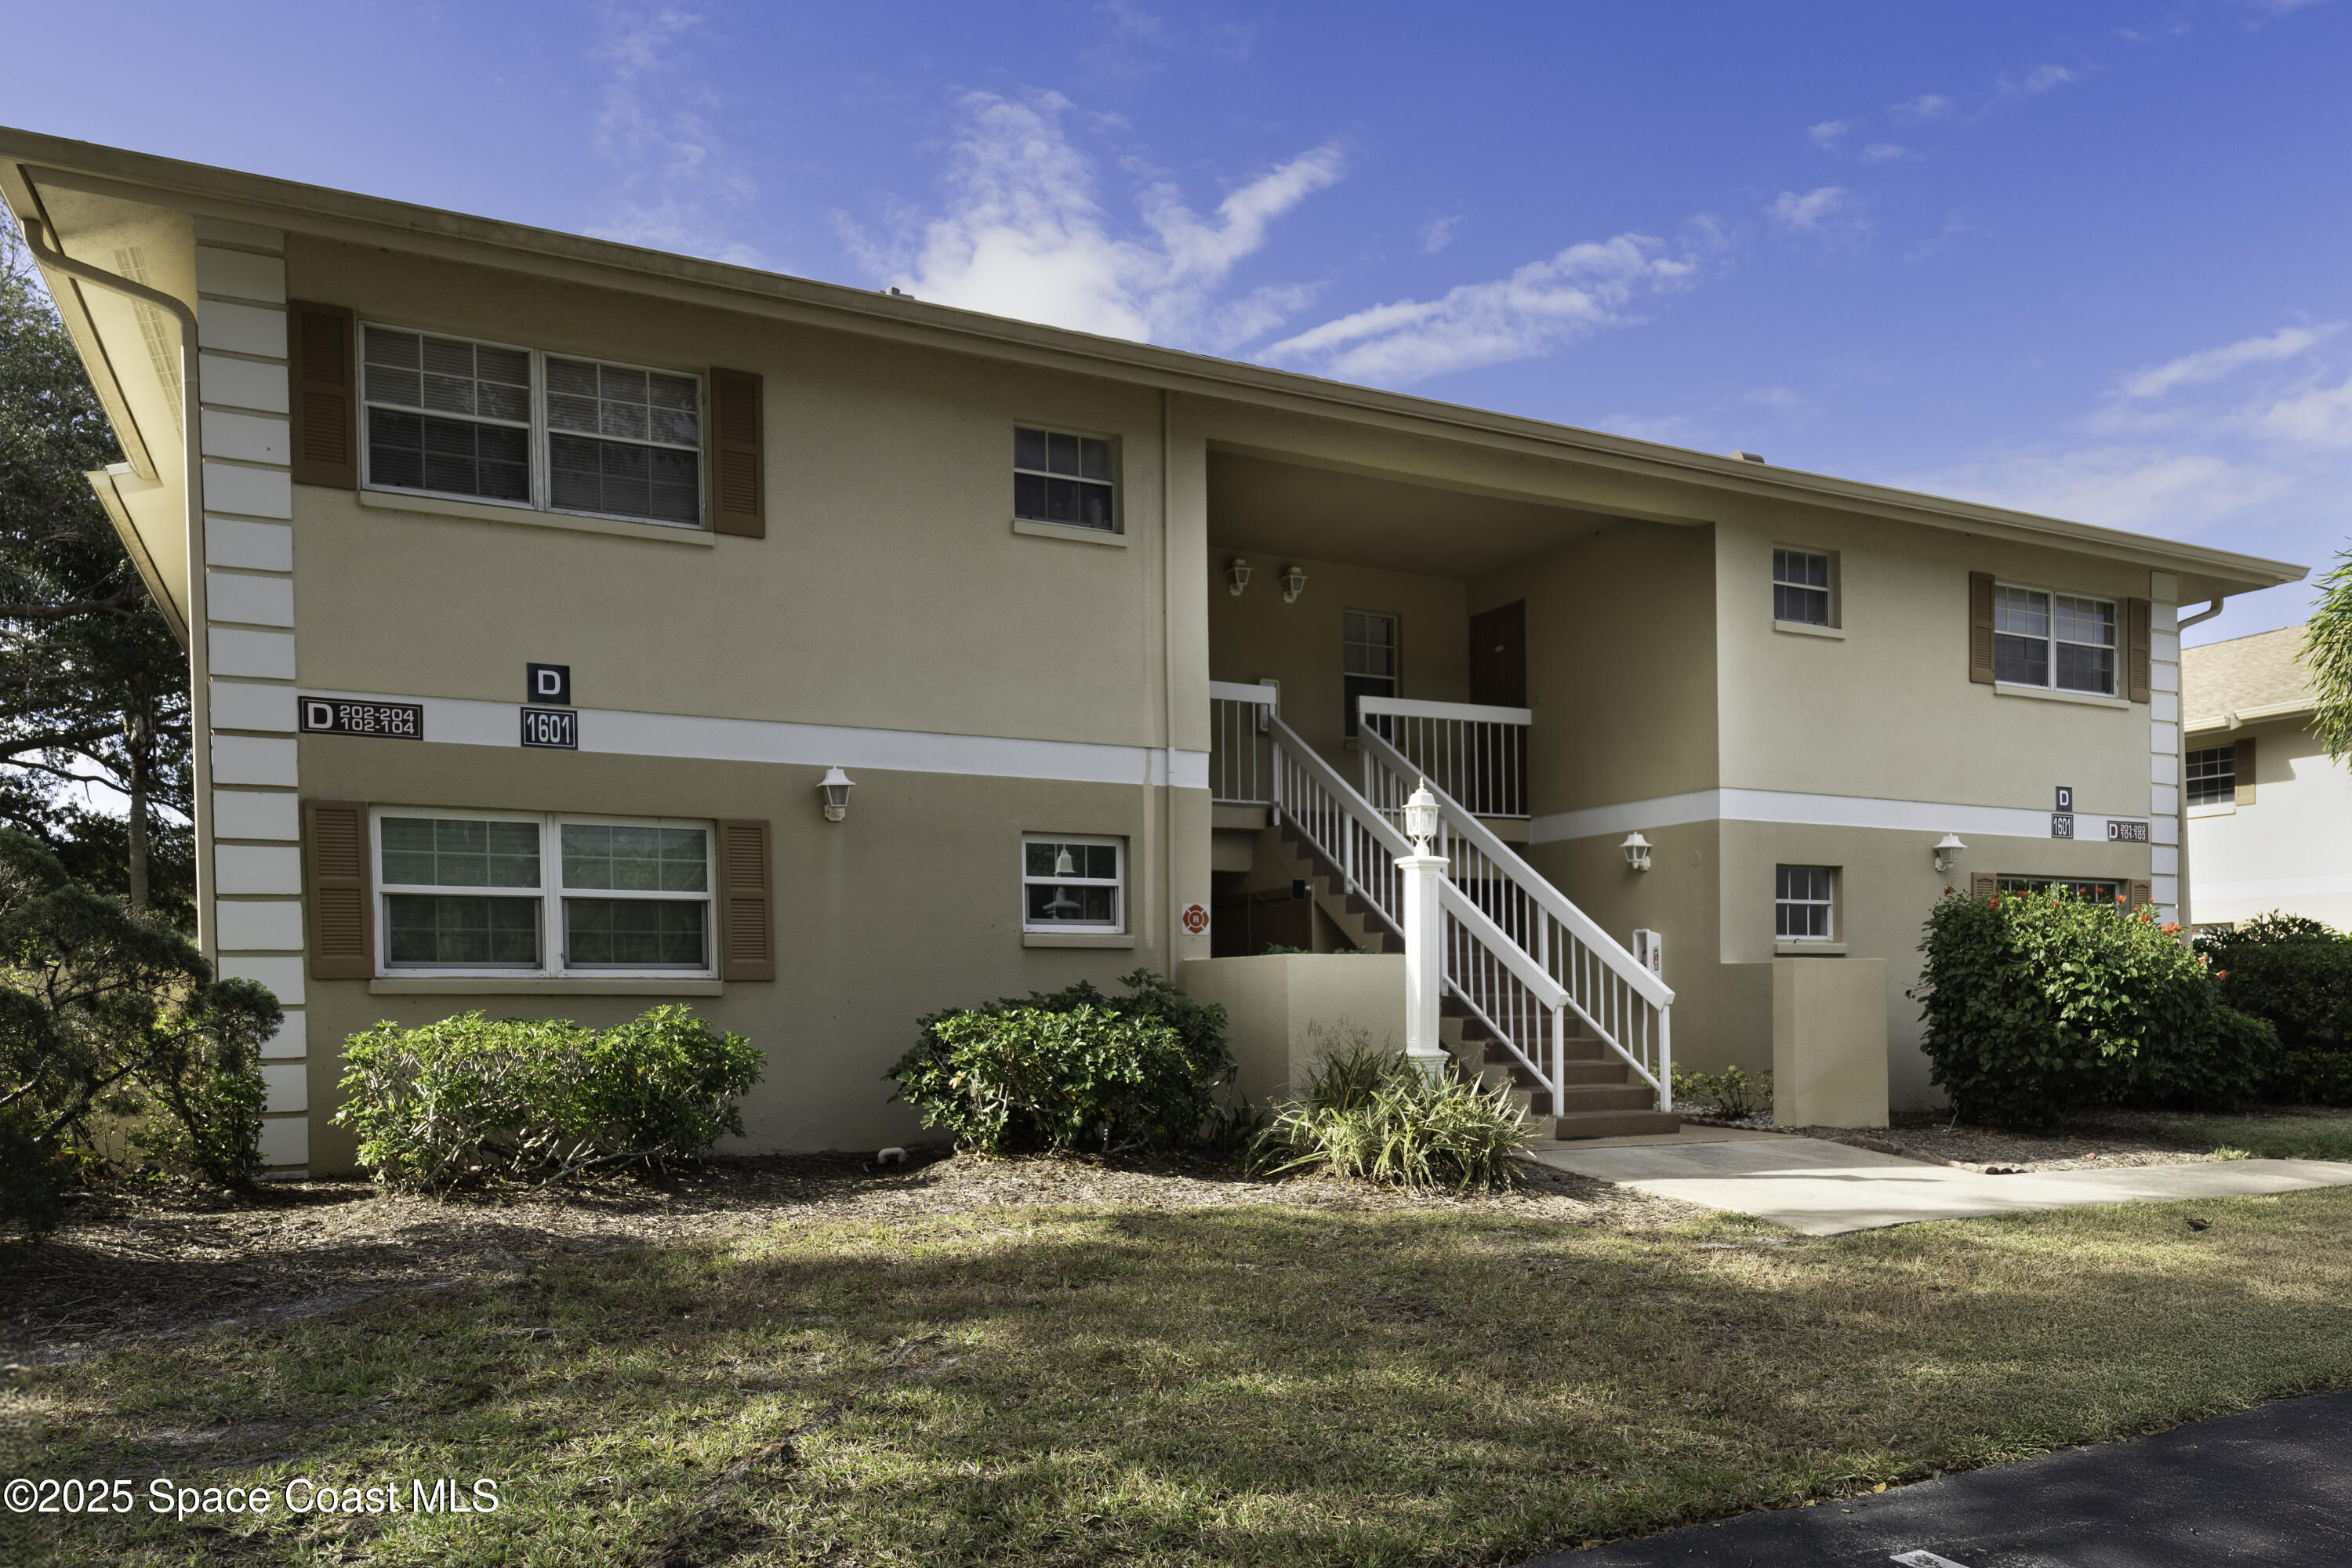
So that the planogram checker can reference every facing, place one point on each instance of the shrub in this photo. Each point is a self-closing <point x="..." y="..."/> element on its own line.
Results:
<point x="472" y="1099"/>
<point x="1070" y="1069"/>
<point x="1372" y="1114"/>
<point x="2297" y="974"/>
<point x="2039" y="1004"/>
<point x="1737" y="1095"/>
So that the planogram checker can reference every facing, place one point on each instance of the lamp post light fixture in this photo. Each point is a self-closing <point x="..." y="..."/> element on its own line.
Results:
<point x="835" y="790"/>
<point x="1421" y="818"/>
<point x="1637" y="851"/>
<point x="1293" y="582"/>
<point x="1237" y="574"/>
<point x="1948" y="851"/>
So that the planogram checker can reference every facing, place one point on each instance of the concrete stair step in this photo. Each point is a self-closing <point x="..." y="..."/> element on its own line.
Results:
<point x="1616" y="1124"/>
<point x="1620" y="1097"/>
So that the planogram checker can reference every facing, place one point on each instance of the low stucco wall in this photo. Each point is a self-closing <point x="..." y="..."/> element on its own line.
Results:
<point x="1828" y="1042"/>
<point x="1282" y="1011"/>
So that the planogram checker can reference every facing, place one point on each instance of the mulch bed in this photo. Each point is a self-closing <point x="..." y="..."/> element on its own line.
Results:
<point x="135" y="1263"/>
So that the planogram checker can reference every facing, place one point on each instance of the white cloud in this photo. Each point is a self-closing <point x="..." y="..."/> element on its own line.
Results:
<point x="1537" y="308"/>
<point x="2040" y="78"/>
<point x="1827" y="213"/>
<point x="1825" y="135"/>
<point x="2211" y="365"/>
<point x="1026" y="236"/>
<point x="2315" y="416"/>
<point x="681" y="188"/>
<point x="2115" y="486"/>
<point x="1886" y="153"/>
<point x="2273" y="7"/>
<point x="1926" y="106"/>
<point x="1438" y="233"/>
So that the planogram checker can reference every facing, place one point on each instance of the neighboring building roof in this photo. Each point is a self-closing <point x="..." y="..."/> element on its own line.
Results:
<point x="28" y="160"/>
<point x="2260" y="677"/>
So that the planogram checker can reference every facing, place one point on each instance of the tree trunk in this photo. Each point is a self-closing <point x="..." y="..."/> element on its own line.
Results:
<point x="141" y="737"/>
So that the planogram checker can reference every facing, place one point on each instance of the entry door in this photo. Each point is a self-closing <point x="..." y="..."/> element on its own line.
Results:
<point x="1499" y="678"/>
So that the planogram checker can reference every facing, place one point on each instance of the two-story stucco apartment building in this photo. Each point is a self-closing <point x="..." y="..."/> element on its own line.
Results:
<point x="575" y="625"/>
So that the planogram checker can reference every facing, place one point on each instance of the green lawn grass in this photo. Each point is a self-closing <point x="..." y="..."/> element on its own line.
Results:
<point x="1247" y="1385"/>
<point x="2270" y="1137"/>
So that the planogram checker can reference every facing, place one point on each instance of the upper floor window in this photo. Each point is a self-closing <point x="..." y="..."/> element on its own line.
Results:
<point x="469" y="892"/>
<point x="1801" y="587"/>
<point x="2213" y="775"/>
<point x="479" y="421"/>
<point x="1368" y="647"/>
<point x="1062" y="478"/>
<point x="2062" y="641"/>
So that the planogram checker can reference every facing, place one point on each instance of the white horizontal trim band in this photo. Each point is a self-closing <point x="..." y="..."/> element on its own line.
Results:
<point x="466" y="722"/>
<point x="1811" y="810"/>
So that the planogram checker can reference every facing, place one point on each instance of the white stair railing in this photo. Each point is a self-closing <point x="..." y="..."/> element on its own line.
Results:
<point x="1626" y="1007"/>
<point x="1487" y="973"/>
<point x="1475" y="754"/>
<point x="1241" y="752"/>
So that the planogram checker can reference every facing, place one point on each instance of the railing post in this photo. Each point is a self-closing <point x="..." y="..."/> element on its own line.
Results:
<point x="1424" y="936"/>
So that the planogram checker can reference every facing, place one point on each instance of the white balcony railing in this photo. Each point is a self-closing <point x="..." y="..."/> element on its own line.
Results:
<point x="1241" y="749"/>
<point x="1477" y="754"/>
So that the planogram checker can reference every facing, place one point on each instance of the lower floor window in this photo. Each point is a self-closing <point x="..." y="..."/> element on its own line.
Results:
<point x="2091" y="889"/>
<point x="1802" y="906"/>
<point x="542" y="894"/>
<point x="1071" y="884"/>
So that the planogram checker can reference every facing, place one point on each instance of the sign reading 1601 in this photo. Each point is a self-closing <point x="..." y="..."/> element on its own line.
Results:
<point x="557" y="727"/>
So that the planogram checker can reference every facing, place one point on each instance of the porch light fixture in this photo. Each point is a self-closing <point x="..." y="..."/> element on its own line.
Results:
<point x="835" y="790"/>
<point x="1237" y="574"/>
<point x="1421" y="818"/>
<point x="1637" y="851"/>
<point x="1293" y="582"/>
<point x="1948" y="851"/>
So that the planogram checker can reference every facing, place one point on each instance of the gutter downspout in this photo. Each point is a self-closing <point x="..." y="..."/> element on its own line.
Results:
<point x="2180" y="765"/>
<point x="200" y="759"/>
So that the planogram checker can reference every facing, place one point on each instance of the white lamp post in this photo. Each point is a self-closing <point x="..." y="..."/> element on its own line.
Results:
<point x="1425" y="934"/>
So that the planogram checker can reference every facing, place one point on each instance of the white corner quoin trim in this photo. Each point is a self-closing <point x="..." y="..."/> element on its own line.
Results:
<point x="466" y="722"/>
<point x="1823" y="811"/>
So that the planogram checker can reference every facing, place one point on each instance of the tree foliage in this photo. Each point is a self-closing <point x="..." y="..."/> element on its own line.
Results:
<point x="114" y="1037"/>
<point x="2327" y="654"/>
<point x="93" y="690"/>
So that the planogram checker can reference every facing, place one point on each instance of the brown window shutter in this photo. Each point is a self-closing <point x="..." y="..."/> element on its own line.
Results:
<point x="1980" y="628"/>
<point x="2141" y="617"/>
<point x="335" y="895"/>
<point x="746" y="934"/>
<point x="1981" y="884"/>
<point x="2142" y="893"/>
<point x="738" y="476"/>
<point x="326" y="400"/>
<point x="2244" y="768"/>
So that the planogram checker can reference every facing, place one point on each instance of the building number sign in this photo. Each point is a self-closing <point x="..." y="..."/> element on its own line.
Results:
<point x="557" y="727"/>
<point x="336" y="716"/>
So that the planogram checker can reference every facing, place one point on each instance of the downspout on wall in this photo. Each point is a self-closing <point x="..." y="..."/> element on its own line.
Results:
<point x="196" y="639"/>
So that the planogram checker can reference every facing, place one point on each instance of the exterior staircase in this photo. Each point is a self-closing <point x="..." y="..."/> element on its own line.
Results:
<point x="1600" y="1098"/>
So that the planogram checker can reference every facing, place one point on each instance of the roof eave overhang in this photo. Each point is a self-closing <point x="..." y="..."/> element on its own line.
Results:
<point x="342" y="214"/>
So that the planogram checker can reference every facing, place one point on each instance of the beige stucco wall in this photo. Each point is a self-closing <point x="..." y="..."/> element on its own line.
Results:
<point x="908" y="906"/>
<point x="1283" y="1012"/>
<point x="1828" y="1042"/>
<point x="2290" y="848"/>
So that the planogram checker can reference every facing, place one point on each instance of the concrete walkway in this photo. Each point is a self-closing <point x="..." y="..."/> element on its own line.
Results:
<point x="1823" y="1189"/>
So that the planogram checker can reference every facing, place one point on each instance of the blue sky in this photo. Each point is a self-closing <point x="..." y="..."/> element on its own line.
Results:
<point x="2086" y="259"/>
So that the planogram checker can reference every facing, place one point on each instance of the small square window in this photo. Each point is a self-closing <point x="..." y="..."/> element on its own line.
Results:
<point x="1801" y="587"/>
<point x="1071" y="884"/>
<point x="1803" y="904"/>
<point x="1063" y="479"/>
<point x="2212" y="775"/>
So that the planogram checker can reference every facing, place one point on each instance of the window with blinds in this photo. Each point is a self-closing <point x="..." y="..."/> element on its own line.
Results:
<point x="447" y="416"/>
<point x="622" y="442"/>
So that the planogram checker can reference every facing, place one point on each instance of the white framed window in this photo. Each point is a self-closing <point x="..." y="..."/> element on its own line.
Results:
<point x="2065" y="642"/>
<point x="1073" y="883"/>
<point x="1804" y="903"/>
<point x="1371" y="655"/>
<point x="494" y="422"/>
<point x="2091" y="889"/>
<point x="2212" y="775"/>
<point x="1065" y="478"/>
<point x="484" y="892"/>
<point x="1801" y="587"/>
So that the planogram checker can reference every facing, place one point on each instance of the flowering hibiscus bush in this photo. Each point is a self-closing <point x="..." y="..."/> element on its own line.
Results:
<point x="2039" y="1004"/>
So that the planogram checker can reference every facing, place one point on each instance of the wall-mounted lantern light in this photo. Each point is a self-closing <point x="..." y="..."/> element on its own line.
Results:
<point x="1237" y="574"/>
<point x="835" y="790"/>
<point x="1293" y="582"/>
<point x="1948" y="851"/>
<point x="1637" y="851"/>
